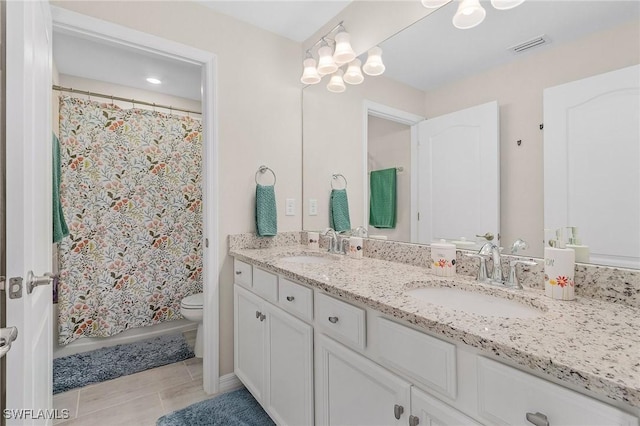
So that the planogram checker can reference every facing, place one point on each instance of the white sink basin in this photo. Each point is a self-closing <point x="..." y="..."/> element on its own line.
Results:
<point x="472" y="302"/>
<point x="317" y="260"/>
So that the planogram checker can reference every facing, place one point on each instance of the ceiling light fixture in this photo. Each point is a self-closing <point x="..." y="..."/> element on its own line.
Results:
<point x="340" y="62"/>
<point x="470" y="13"/>
<point x="154" y="80"/>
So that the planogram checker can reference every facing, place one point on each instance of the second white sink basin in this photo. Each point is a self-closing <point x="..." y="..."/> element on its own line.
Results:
<point x="472" y="302"/>
<point x="317" y="260"/>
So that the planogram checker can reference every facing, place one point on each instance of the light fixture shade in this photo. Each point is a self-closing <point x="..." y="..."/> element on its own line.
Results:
<point x="344" y="52"/>
<point x="326" y="64"/>
<point x="506" y="4"/>
<point x="354" y="74"/>
<point x="310" y="74"/>
<point x="470" y="14"/>
<point x="336" y="84"/>
<point x="434" y="4"/>
<point x="374" y="65"/>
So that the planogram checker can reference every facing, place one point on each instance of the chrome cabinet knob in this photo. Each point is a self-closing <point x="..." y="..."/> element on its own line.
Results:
<point x="537" y="419"/>
<point x="397" y="411"/>
<point x="290" y="298"/>
<point x="333" y="320"/>
<point x="238" y="272"/>
<point x="413" y="420"/>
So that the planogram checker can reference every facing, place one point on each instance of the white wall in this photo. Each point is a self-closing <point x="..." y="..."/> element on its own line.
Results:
<point x="389" y="145"/>
<point x="333" y="141"/>
<point x="518" y="89"/>
<point x="258" y="101"/>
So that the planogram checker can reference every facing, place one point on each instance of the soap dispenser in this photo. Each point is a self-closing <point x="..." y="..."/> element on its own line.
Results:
<point x="582" y="251"/>
<point x="559" y="269"/>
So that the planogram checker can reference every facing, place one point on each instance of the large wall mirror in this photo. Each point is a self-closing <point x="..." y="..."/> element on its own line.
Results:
<point x="434" y="70"/>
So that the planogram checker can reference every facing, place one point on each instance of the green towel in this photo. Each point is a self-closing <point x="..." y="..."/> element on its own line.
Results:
<point x="382" y="198"/>
<point x="60" y="229"/>
<point x="266" y="215"/>
<point x="339" y="210"/>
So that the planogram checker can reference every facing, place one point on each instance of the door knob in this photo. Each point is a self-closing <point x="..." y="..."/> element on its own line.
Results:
<point x="7" y="336"/>
<point x="34" y="281"/>
<point x="488" y="236"/>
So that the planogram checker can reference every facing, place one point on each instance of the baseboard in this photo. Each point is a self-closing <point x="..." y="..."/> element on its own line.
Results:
<point x="229" y="382"/>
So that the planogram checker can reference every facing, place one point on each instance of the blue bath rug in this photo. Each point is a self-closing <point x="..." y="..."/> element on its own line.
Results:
<point x="237" y="408"/>
<point x="83" y="369"/>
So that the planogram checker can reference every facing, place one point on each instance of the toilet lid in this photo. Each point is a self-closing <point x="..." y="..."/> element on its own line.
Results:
<point x="193" y="301"/>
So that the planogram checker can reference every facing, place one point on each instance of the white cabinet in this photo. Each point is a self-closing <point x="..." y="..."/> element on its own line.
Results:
<point x="274" y="358"/>
<point x="352" y="390"/>
<point x="507" y="395"/>
<point x="289" y="396"/>
<point x="427" y="410"/>
<point x="249" y="341"/>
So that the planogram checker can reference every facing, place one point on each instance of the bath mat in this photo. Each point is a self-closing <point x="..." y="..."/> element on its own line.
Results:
<point x="83" y="369"/>
<point x="237" y="408"/>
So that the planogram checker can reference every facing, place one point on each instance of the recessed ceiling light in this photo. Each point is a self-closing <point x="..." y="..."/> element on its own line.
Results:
<point x="154" y="80"/>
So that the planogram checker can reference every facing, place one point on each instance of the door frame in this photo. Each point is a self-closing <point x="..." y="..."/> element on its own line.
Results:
<point x="392" y="114"/>
<point x="76" y="24"/>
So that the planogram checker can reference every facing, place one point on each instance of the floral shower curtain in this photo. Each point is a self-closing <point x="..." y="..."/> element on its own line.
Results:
<point x="131" y="193"/>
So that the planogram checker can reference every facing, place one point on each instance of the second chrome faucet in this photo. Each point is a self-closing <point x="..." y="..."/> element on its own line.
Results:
<point x="497" y="278"/>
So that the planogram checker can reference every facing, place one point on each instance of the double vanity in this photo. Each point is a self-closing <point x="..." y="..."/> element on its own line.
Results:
<point x="324" y="339"/>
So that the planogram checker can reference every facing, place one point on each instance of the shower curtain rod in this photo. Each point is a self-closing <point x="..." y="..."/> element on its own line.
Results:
<point x="118" y="98"/>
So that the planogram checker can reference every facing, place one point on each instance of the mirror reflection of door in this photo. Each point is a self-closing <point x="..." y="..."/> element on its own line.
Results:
<point x="459" y="175"/>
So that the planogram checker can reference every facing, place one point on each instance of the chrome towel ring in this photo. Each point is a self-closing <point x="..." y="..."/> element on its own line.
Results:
<point x="263" y="170"/>
<point x="335" y="176"/>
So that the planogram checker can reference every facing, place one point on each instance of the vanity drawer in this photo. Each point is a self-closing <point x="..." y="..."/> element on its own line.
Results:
<point x="506" y="395"/>
<point x="426" y="360"/>
<point x="340" y="320"/>
<point x="265" y="284"/>
<point x="295" y="298"/>
<point x="242" y="273"/>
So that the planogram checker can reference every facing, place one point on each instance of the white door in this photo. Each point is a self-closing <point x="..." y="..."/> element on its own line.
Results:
<point x="352" y="390"/>
<point x="28" y="203"/>
<point x="249" y="342"/>
<point x="289" y="393"/>
<point x="592" y="163"/>
<point x="459" y="174"/>
<point x="427" y="410"/>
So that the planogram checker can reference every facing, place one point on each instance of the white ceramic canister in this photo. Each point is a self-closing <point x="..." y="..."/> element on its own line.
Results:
<point x="443" y="258"/>
<point x="355" y="248"/>
<point x="559" y="269"/>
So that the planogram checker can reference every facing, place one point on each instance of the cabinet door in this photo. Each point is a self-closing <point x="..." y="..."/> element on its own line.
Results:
<point x="249" y="342"/>
<point x="351" y="390"/>
<point x="289" y="357"/>
<point x="427" y="410"/>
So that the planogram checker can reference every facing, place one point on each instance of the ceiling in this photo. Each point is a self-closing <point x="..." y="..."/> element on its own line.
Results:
<point x="432" y="52"/>
<point x="426" y="55"/>
<point x="296" y="20"/>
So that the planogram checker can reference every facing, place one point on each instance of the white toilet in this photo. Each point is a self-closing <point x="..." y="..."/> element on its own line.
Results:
<point x="191" y="309"/>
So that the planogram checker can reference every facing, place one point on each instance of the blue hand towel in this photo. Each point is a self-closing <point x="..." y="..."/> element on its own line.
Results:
<point x="266" y="215"/>
<point x="339" y="210"/>
<point x="60" y="229"/>
<point x="382" y="198"/>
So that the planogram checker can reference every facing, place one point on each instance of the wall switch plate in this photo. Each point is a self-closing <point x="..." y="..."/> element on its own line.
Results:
<point x="313" y="207"/>
<point x="290" y="207"/>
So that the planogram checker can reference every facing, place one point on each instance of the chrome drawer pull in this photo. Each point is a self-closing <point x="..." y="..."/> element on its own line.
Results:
<point x="537" y="419"/>
<point x="397" y="411"/>
<point x="413" y="420"/>
<point x="262" y="317"/>
<point x="238" y="272"/>
<point x="290" y="298"/>
<point x="258" y="313"/>
<point x="333" y="320"/>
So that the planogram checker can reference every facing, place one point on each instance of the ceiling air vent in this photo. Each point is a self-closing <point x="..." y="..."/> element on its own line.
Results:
<point x="529" y="44"/>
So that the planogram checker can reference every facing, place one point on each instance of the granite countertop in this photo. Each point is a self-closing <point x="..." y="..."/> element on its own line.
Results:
<point x="592" y="344"/>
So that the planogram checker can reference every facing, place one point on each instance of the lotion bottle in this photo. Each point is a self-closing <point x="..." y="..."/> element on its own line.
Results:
<point x="559" y="269"/>
<point x="582" y="251"/>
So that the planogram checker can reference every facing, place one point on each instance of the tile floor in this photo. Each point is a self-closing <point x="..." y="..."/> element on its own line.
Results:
<point x="137" y="399"/>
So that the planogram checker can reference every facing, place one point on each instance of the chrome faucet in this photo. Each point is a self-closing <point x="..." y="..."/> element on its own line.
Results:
<point x="333" y="240"/>
<point x="492" y="249"/>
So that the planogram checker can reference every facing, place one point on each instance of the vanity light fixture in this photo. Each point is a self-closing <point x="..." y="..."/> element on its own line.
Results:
<point x="470" y="13"/>
<point x="153" y="80"/>
<point x="340" y="62"/>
